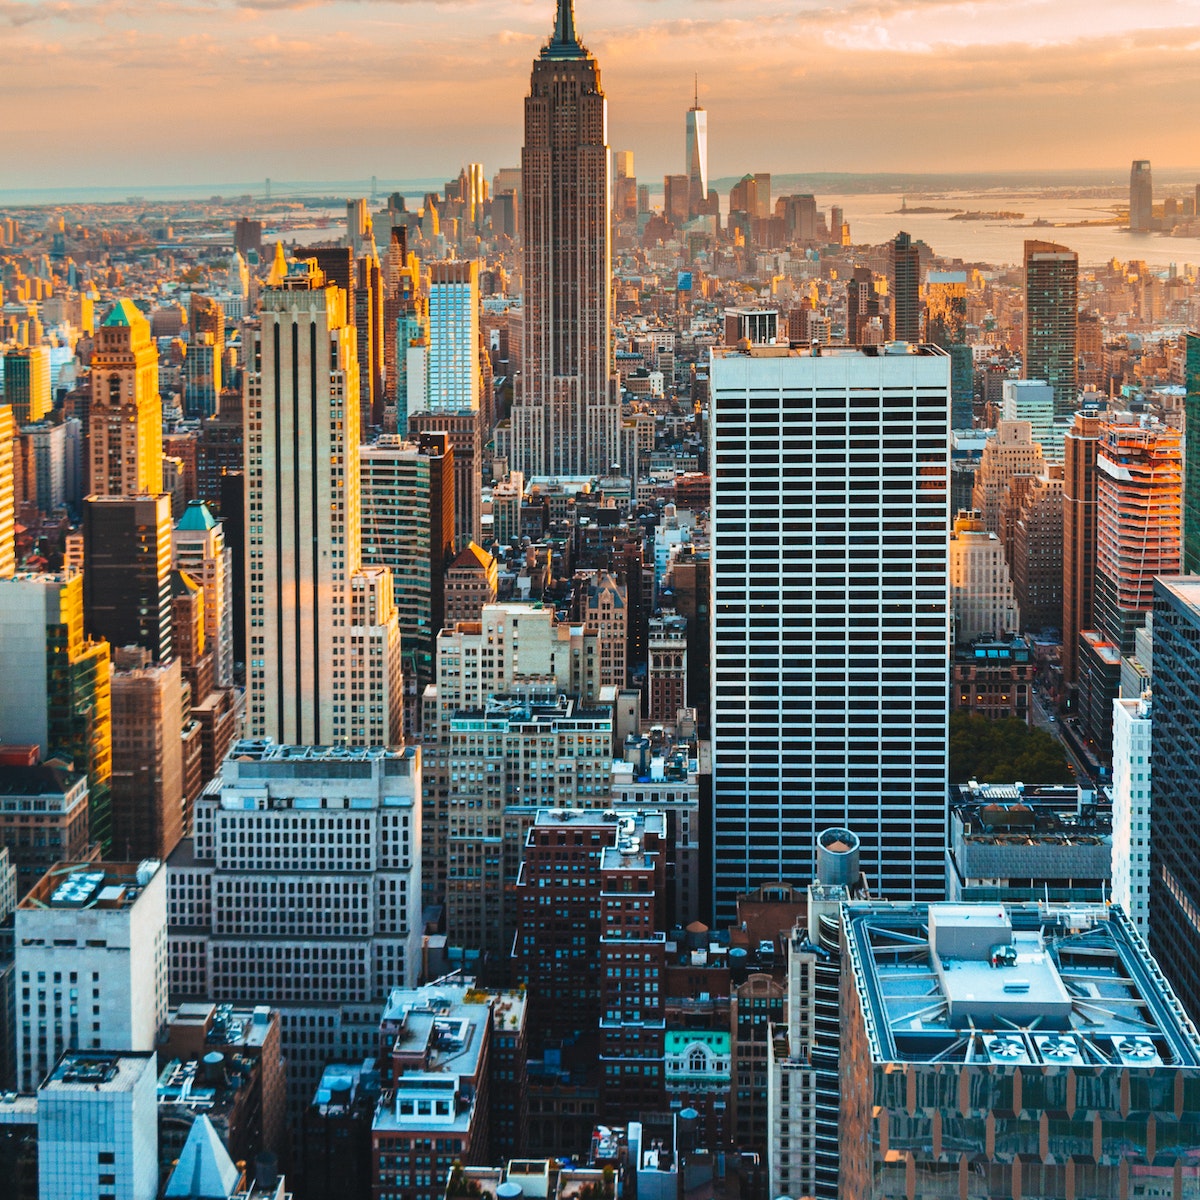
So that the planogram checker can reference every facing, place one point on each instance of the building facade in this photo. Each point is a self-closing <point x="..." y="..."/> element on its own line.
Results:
<point x="91" y="963"/>
<point x="97" y="1126"/>
<point x="1080" y="446"/>
<point x="981" y="590"/>
<point x="127" y="572"/>
<point x="1175" y="747"/>
<point x="1131" y="837"/>
<point x="566" y="417"/>
<point x="46" y="657"/>
<point x="27" y="383"/>
<point x="1138" y="520"/>
<point x="1051" y="327"/>
<point x="301" y="887"/>
<point x="323" y="639"/>
<point x="408" y="509"/>
<point x="830" y="638"/>
<point x="125" y="421"/>
<point x="1191" y="461"/>
<point x="198" y="547"/>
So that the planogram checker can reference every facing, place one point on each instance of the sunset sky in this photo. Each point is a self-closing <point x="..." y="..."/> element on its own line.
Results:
<point x="117" y="92"/>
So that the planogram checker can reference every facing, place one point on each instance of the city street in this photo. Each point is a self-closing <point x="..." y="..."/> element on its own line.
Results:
<point x="1049" y="721"/>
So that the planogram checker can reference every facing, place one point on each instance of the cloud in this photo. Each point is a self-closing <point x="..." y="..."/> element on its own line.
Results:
<point x="415" y="87"/>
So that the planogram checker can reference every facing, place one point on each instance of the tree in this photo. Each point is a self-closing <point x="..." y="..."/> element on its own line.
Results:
<point x="1003" y="751"/>
<point x="460" y="1187"/>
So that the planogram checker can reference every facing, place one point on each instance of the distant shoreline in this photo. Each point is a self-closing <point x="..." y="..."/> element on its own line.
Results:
<point x="927" y="185"/>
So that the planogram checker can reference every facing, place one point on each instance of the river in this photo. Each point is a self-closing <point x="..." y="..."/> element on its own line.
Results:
<point x="874" y="218"/>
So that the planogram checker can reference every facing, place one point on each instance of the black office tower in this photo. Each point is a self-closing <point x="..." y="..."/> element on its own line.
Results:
<point x="1175" y="751"/>
<point x="906" y="290"/>
<point x="127" y="572"/>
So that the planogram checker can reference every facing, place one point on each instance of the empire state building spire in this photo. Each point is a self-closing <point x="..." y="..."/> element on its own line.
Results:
<point x="565" y="43"/>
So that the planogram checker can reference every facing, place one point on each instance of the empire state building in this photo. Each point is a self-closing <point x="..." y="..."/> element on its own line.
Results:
<point x="567" y="414"/>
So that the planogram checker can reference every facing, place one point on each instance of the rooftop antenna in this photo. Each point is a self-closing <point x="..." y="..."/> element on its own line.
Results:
<point x="697" y="100"/>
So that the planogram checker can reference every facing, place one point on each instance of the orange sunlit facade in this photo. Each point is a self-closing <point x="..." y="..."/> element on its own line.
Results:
<point x="1139" y="498"/>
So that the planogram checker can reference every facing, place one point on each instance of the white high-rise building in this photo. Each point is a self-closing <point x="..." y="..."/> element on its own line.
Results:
<point x="198" y="547"/>
<point x="301" y="887"/>
<point x="1132" y="721"/>
<point x="323" y="641"/>
<point x="97" y="1125"/>
<point x="830" y="617"/>
<point x="91" y="963"/>
<point x="696" y="155"/>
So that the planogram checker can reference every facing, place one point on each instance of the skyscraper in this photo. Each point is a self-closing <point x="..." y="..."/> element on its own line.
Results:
<point x="1051" y="327"/>
<point x="454" y="386"/>
<point x="696" y="155"/>
<point x="8" y="547"/>
<point x="127" y="571"/>
<point x="453" y="372"/>
<point x="324" y="644"/>
<point x="830" y="621"/>
<point x="148" y="808"/>
<point x="27" y="383"/>
<point x="566" y="417"/>
<point x="1191" y="458"/>
<point x="198" y="547"/>
<point x="300" y="887"/>
<point x="1131" y="840"/>
<point x="1079" y="536"/>
<point x="97" y="1122"/>
<point x="125" y="423"/>
<point x="1141" y="197"/>
<point x="1138" y="489"/>
<point x="946" y="326"/>
<point x="55" y="689"/>
<point x="206" y="349"/>
<point x="1175" y="749"/>
<point x="906" y="290"/>
<point x="117" y="954"/>
<point x="408" y="526"/>
<point x="862" y="303"/>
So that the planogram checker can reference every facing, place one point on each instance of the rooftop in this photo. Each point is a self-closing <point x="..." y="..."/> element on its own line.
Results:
<point x="124" y="312"/>
<point x="446" y="1019"/>
<point x="889" y="350"/>
<point x="42" y="780"/>
<point x="224" y="1024"/>
<point x="91" y="885"/>
<point x="205" y="1086"/>
<point x="1020" y="812"/>
<point x="1185" y="588"/>
<point x="97" y="1071"/>
<point x="1028" y="983"/>
<point x="267" y="750"/>
<point x="196" y="518"/>
<point x="204" y="1167"/>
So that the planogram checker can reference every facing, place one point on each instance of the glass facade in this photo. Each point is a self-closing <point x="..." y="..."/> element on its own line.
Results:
<point x="1175" y="742"/>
